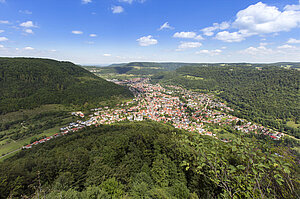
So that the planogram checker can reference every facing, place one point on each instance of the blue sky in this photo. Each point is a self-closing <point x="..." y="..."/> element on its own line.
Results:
<point x="114" y="31"/>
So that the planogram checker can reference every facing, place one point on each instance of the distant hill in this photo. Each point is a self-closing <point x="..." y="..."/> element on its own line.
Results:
<point x="150" y="68"/>
<point x="28" y="83"/>
<point x="138" y="68"/>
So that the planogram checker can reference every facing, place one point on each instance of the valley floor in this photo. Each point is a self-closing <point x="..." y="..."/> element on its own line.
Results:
<point x="183" y="109"/>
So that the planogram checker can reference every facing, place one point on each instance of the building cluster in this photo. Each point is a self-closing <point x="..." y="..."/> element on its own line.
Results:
<point x="191" y="111"/>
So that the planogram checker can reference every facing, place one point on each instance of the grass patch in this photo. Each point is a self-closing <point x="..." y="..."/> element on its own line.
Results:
<point x="193" y="77"/>
<point x="292" y="124"/>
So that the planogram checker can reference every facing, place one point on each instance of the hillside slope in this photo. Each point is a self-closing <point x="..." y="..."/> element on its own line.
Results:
<point x="148" y="160"/>
<point x="28" y="83"/>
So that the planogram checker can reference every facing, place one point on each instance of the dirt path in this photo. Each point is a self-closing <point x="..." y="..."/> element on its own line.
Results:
<point x="10" y="153"/>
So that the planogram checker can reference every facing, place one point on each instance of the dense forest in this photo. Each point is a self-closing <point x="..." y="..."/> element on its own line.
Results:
<point x="267" y="95"/>
<point x="150" y="68"/>
<point x="149" y="160"/>
<point x="28" y="83"/>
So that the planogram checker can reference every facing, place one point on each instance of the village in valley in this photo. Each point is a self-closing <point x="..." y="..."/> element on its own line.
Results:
<point x="195" y="112"/>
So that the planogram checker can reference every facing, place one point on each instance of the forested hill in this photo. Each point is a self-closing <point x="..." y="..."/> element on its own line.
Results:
<point x="149" y="160"/>
<point x="267" y="95"/>
<point x="29" y="82"/>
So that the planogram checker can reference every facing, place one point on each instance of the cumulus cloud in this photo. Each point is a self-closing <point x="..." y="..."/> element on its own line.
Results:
<point x="261" y="50"/>
<point x="187" y="35"/>
<point x="27" y="24"/>
<point x="117" y="9"/>
<point x="29" y="31"/>
<point x="3" y="39"/>
<point x="187" y="45"/>
<point x="257" y="19"/>
<point x="147" y="41"/>
<point x="77" y="32"/>
<point x="131" y="1"/>
<point x="107" y="55"/>
<point x="261" y="19"/>
<point x="293" y="41"/>
<point x="292" y="7"/>
<point x="165" y="26"/>
<point x="286" y="46"/>
<point x="210" y="52"/>
<point x="93" y="35"/>
<point x="230" y="37"/>
<point x="28" y="48"/>
<point x="86" y="1"/>
<point x="209" y="31"/>
<point x="1" y="31"/>
<point x="1" y="46"/>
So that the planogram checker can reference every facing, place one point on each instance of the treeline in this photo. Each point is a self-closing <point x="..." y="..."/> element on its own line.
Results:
<point x="149" y="160"/>
<point x="29" y="83"/>
<point x="269" y="95"/>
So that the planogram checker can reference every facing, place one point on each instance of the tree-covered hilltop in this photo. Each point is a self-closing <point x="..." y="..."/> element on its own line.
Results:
<point x="28" y="83"/>
<point x="150" y="68"/>
<point x="149" y="160"/>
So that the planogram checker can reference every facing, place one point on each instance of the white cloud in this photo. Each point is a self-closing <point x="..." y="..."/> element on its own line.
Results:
<point x="199" y="37"/>
<point x="107" y="55"/>
<point x="188" y="35"/>
<point x="262" y="19"/>
<point x="4" y="22"/>
<point x="292" y="7"/>
<point x="210" y="52"/>
<point x="230" y="37"/>
<point x="293" y="41"/>
<point x="126" y="1"/>
<point x="27" y="12"/>
<point x="261" y="50"/>
<point x="185" y="35"/>
<point x="286" y="46"/>
<point x="27" y="24"/>
<point x="93" y="35"/>
<point x="165" y="26"/>
<point x="77" y="32"/>
<point x="131" y="1"/>
<point x="1" y="31"/>
<point x="117" y="9"/>
<point x="28" y="48"/>
<point x="186" y="45"/>
<point x="147" y="41"/>
<point x="257" y="19"/>
<point x="29" y="31"/>
<point x="209" y="31"/>
<point x="86" y="1"/>
<point x="3" y="39"/>
<point x="1" y="46"/>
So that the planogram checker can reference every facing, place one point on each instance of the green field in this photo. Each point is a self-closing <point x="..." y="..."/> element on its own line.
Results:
<point x="293" y="124"/>
<point x="193" y="77"/>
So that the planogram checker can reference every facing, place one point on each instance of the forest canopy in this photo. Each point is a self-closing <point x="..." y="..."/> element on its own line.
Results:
<point x="29" y="83"/>
<point x="149" y="160"/>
